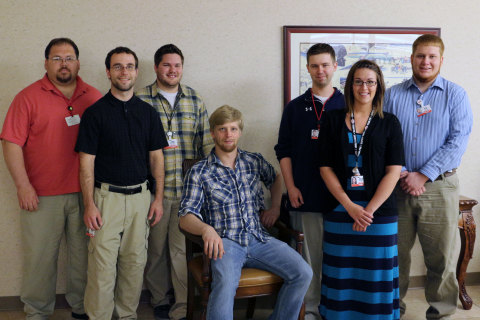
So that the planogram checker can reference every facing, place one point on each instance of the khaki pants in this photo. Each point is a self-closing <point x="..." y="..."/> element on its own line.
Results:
<point x="434" y="217"/>
<point x="117" y="255"/>
<point x="166" y="239"/>
<point x="42" y="232"/>
<point x="311" y="224"/>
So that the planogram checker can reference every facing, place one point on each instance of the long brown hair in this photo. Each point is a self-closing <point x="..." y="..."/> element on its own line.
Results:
<point x="377" y="103"/>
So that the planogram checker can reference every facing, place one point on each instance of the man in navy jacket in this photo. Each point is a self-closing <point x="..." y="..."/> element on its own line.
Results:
<point x="297" y="150"/>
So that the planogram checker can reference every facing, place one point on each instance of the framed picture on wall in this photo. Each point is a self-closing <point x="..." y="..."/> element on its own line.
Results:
<point x="390" y="48"/>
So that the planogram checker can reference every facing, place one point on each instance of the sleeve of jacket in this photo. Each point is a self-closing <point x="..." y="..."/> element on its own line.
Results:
<point x="394" y="153"/>
<point x="327" y="142"/>
<point x="283" y="148"/>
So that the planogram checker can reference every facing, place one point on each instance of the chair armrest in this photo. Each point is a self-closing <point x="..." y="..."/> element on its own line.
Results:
<point x="294" y="234"/>
<point x="286" y="232"/>
<point x="192" y="237"/>
<point x="191" y="240"/>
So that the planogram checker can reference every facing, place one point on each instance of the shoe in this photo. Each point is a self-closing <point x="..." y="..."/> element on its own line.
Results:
<point x="79" y="315"/>
<point x="161" y="312"/>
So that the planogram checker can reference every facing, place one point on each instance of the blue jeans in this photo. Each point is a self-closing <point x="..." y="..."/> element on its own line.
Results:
<point x="273" y="255"/>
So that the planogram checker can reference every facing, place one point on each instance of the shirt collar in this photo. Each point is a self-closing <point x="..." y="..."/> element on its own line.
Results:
<point x="213" y="159"/>
<point x="47" y="85"/>
<point x="116" y="101"/>
<point x="439" y="83"/>
<point x="156" y="90"/>
<point x="308" y="94"/>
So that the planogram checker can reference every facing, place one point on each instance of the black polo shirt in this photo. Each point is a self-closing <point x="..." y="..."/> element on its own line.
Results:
<point x="120" y="134"/>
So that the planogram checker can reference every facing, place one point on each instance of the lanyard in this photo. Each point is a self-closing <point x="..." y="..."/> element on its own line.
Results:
<point x="169" y="118"/>
<point x="360" y="145"/>
<point x="323" y="108"/>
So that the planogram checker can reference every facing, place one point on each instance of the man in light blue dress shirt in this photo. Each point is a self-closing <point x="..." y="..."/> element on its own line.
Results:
<point x="436" y="120"/>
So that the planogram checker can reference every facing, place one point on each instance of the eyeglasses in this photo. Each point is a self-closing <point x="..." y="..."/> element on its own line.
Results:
<point x="119" y="67"/>
<point x="369" y="83"/>
<point x="67" y="60"/>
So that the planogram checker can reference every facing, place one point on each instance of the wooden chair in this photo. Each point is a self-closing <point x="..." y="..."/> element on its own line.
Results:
<point x="253" y="282"/>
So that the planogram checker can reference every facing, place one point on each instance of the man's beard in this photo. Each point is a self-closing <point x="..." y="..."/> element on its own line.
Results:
<point x="64" y="79"/>
<point x="123" y="88"/>
<point x="426" y="79"/>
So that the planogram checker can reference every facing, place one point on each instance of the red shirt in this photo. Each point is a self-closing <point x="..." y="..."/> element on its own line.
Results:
<point x="36" y="122"/>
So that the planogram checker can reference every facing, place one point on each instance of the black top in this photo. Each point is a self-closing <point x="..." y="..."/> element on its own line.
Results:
<point x="295" y="141"/>
<point x="382" y="146"/>
<point x="120" y="134"/>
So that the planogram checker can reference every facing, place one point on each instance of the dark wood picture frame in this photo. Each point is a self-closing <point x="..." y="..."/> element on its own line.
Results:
<point x="297" y="39"/>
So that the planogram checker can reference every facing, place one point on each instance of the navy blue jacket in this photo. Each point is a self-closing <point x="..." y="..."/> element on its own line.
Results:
<point x="295" y="141"/>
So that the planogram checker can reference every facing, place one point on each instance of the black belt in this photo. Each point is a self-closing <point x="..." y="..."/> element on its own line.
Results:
<point x="446" y="174"/>
<point x="123" y="190"/>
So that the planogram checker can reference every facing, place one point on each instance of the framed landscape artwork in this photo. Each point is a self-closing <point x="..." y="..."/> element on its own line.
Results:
<point x="389" y="47"/>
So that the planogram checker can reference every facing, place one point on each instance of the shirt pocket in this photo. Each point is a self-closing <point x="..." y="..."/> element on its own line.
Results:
<point x="188" y="121"/>
<point x="221" y="192"/>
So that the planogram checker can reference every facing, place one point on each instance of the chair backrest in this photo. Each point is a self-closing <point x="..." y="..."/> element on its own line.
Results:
<point x="187" y="164"/>
<point x="193" y="247"/>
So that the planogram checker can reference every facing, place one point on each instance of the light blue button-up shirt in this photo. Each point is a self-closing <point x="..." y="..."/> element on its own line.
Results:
<point x="434" y="142"/>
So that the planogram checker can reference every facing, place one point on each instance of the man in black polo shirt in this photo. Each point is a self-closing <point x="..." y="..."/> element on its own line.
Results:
<point x="120" y="140"/>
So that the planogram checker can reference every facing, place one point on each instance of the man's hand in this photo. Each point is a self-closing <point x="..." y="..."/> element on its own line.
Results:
<point x="413" y="183"/>
<point x="417" y="192"/>
<point x="403" y="174"/>
<point x="361" y="217"/>
<point x="268" y="217"/>
<point x="295" y="197"/>
<point x="27" y="198"/>
<point x="212" y="243"/>
<point x="92" y="217"/>
<point x="156" y="212"/>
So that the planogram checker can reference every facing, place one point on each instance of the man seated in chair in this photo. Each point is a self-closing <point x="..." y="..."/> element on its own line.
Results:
<point x="223" y="202"/>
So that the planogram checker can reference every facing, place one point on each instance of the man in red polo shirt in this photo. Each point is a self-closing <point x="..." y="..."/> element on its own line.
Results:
<point x="38" y="140"/>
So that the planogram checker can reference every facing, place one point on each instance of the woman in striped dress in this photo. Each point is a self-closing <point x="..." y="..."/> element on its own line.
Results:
<point x="360" y="161"/>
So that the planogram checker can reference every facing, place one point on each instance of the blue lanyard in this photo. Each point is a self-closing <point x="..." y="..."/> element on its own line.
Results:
<point x="358" y="149"/>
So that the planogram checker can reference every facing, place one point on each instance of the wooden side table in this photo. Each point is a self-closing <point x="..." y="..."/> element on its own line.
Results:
<point x="466" y="226"/>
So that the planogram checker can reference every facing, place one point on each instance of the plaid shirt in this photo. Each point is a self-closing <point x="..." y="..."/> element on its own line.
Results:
<point x="189" y="126"/>
<point x="229" y="200"/>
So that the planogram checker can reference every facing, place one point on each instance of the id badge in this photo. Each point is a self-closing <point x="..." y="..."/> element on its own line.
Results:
<point x="172" y="142"/>
<point x="357" y="181"/>
<point x="315" y="133"/>
<point x="423" y="110"/>
<point x="72" y="120"/>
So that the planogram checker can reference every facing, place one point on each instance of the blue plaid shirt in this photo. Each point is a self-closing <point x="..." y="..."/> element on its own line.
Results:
<point x="229" y="200"/>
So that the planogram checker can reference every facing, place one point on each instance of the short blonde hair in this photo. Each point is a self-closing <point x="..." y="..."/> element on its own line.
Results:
<point x="225" y="114"/>
<point x="428" y="40"/>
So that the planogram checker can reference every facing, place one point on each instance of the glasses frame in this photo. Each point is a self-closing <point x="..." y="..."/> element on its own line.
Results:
<point x="120" y="68"/>
<point x="59" y="60"/>
<point x="356" y="82"/>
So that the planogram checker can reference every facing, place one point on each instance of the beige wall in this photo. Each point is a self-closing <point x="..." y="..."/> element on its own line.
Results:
<point x="233" y="54"/>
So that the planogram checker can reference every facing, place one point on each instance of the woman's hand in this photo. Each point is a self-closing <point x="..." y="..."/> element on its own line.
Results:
<point x="362" y="217"/>
<point x="357" y="227"/>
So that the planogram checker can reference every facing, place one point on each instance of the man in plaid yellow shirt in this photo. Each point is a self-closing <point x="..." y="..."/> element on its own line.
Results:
<point x="185" y="119"/>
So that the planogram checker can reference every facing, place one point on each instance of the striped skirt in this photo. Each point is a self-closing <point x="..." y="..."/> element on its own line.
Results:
<point x="360" y="270"/>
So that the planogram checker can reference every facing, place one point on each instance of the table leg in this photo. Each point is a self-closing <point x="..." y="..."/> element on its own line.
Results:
<point x="466" y="225"/>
